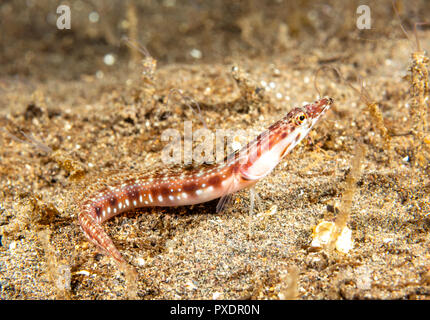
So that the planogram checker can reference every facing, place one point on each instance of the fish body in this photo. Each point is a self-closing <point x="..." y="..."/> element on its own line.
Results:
<point x="241" y="170"/>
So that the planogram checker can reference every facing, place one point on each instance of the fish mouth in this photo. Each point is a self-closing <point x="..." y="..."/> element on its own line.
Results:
<point x="318" y="108"/>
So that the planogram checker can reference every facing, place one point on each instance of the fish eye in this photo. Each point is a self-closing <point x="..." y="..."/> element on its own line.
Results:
<point x="300" y="118"/>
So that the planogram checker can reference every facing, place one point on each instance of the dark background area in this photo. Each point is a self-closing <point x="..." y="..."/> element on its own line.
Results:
<point x="31" y="45"/>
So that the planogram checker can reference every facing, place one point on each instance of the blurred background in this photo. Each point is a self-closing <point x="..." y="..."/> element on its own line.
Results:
<point x="183" y="31"/>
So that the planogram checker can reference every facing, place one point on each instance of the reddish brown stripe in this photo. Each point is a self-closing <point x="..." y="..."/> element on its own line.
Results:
<point x="112" y="201"/>
<point x="164" y="190"/>
<point x="285" y="150"/>
<point x="132" y="194"/>
<point x="190" y="186"/>
<point x="215" y="180"/>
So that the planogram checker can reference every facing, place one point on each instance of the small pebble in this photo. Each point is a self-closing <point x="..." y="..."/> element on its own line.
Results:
<point x="196" y="53"/>
<point x="109" y="59"/>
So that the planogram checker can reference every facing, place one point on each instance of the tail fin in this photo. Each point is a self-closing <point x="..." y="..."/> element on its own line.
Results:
<point x="95" y="233"/>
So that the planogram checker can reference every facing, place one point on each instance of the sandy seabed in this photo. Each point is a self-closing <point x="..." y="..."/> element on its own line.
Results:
<point x="107" y="118"/>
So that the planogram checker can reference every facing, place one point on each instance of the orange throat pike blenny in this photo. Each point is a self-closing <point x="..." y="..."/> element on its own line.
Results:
<point x="242" y="169"/>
